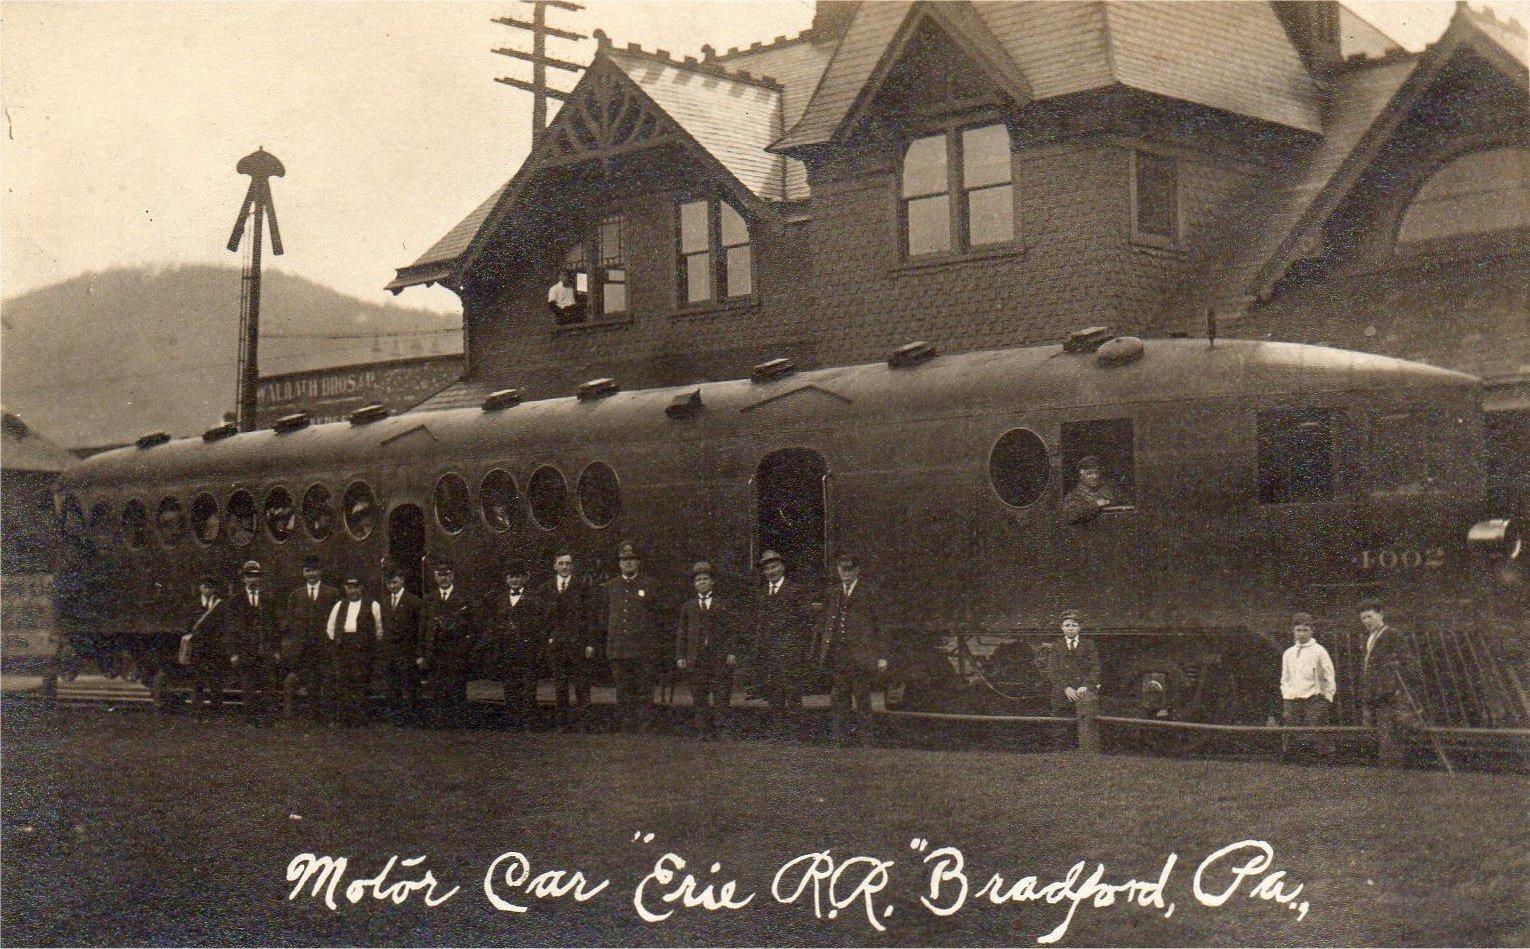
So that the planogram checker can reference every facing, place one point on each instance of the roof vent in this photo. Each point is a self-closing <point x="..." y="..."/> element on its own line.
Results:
<point x="1121" y="351"/>
<point x="15" y="426"/>
<point x="598" y="389"/>
<point x="772" y="369"/>
<point x="292" y="423"/>
<point x="912" y="354"/>
<point x="501" y="400"/>
<point x="684" y="406"/>
<point x="1088" y="340"/>
<point x="152" y="439"/>
<point x="219" y="432"/>
<point x="368" y="414"/>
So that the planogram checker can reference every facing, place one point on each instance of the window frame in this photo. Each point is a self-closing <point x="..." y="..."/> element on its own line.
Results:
<point x="957" y="193"/>
<point x="592" y="259"/>
<point x="589" y="471"/>
<point x="1341" y="435"/>
<point x="1174" y="239"/>
<point x="716" y="255"/>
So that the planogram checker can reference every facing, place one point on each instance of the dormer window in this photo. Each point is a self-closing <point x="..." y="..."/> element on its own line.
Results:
<point x="957" y="191"/>
<point x="576" y="297"/>
<point x="714" y="261"/>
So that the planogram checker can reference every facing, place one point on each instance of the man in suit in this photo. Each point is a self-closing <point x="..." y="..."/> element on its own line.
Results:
<point x="1387" y="672"/>
<point x="207" y="652"/>
<point x="400" y="648"/>
<point x="511" y="648"/>
<point x="626" y="611"/>
<point x="852" y="646"/>
<point x="352" y="633"/>
<point x="783" y="639"/>
<point x="1072" y="669"/>
<point x="570" y="648"/>
<point x="303" y="639"/>
<point x="255" y="644"/>
<point x="706" y="648"/>
<point x="450" y="626"/>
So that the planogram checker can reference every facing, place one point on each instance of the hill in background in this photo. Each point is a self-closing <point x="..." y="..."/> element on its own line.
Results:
<point x="105" y="357"/>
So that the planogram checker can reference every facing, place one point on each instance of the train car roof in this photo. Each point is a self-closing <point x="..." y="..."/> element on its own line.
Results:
<point x="1034" y="378"/>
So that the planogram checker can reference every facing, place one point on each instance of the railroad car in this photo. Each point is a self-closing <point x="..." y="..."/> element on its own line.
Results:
<point x="1253" y="479"/>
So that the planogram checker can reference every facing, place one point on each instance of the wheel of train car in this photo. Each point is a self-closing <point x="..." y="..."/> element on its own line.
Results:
<point x="1160" y="687"/>
<point x="1012" y="674"/>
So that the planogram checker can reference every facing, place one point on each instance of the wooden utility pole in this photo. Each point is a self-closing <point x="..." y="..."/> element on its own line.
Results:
<point x="261" y="166"/>
<point x="538" y="87"/>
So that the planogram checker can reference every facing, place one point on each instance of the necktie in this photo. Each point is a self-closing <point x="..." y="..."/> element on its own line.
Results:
<point x="313" y="594"/>
<point x="395" y="600"/>
<point x="562" y="584"/>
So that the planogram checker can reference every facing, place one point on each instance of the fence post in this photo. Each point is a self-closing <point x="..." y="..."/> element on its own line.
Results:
<point x="1088" y="706"/>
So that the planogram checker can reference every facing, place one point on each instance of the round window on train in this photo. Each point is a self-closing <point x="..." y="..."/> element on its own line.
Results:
<point x="135" y="524"/>
<point x="600" y="496"/>
<point x="453" y="506"/>
<point x="71" y="520"/>
<point x="501" y="501"/>
<point x="318" y="512"/>
<point x="281" y="515"/>
<point x="101" y="527"/>
<point x="1019" y="468"/>
<point x="205" y="526"/>
<point x="240" y="517"/>
<point x="549" y="497"/>
<point x="359" y="509"/>
<point x="171" y="521"/>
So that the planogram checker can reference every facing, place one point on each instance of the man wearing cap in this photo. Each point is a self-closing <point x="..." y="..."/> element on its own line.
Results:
<point x="206" y="654"/>
<point x="783" y="639"/>
<point x="1388" y="668"/>
<point x="400" y="648"/>
<point x="706" y="648"/>
<point x="255" y="644"/>
<point x="450" y="626"/>
<point x="511" y="649"/>
<point x="570" y="648"/>
<point x="852" y="647"/>
<point x="1072" y="667"/>
<point x="352" y="634"/>
<point x="303" y="650"/>
<point x="627" y="612"/>
<point x="1091" y="495"/>
<point x="1306" y="682"/>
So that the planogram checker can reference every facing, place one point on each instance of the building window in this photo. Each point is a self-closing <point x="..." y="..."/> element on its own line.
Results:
<point x="972" y="164"/>
<point x="1155" y="198"/>
<point x="1296" y="456"/>
<point x="576" y="296"/>
<point x="714" y="260"/>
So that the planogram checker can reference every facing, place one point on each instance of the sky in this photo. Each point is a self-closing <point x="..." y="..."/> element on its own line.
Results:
<point x="124" y="121"/>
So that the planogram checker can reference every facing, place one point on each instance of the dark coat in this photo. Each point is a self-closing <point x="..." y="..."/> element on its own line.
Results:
<point x="783" y="624"/>
<point x="449" y="630"/>
<point x="208" y="629"/>
<point x="851" y="637"/>
<point x="1391" y="661"/>
<point x="254" y="632"/>
<point x="401" y="627"/>
<point x="568" y="618"/>
<point x="514" y="638"/>
<point x="303" y="636"/>
<point x="706" y="638"/>
<point x="627" y="612"/>
<point x="1065" y="670"/>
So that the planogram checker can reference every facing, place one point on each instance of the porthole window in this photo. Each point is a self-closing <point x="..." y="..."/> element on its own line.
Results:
<point x="71" y="520"/>
<point x="240" y="518"/>
<point x="135" y="524"/>
<point x="549" y="497"/>
<point x="318" y="512"/>
<point x="600" y="496"/>
<point x="281" y="515"/>
<point x="171" y="521"/>
<point x="1018" y="467"/>
<point x="453" y="507"/>
<point x="501" y="501"/>
<point x="205" y="525"/>
<point x="359" y="509"/>
<point x="101" y="528"/>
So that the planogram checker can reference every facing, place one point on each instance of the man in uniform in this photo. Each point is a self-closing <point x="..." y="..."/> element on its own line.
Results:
<point x="450" y="627"/>
<point x="1388" y="667"/>
<point x="1091" y="495"/>
<point x="512" y="646"/>
<point x="783" y="639"/>
<point x="255" y="644"/>
<point x="206" y="652"/>
<point x="706" y="648"/>
<point x="303" y="650"/>
<point x="352" y="634"/>
<point x="852" y="646"/>
<point x="626" y="612"/>
<point x="400" y="648"/>
<point x="1072" y="669"/>
<point x="1307" y="684"/>
<point x="570" y="649"/>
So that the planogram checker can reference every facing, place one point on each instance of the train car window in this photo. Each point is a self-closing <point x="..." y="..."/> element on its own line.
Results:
<point x="102" y="529"/>
<point x="500" y="500"/>
<point x="453" y="507"/>
<point x="135" y="524"/>
<point x="71" y="520"/>
<point x="240" y="518"/>
<point x="359" y="508"/>
<point x="1109" y="442"/>
<point x="281" y="515"/>
<point x="318" y="512"/>
<point x="600" y="495"/>
<point x="1018" y="467"/>
<point x="205" y="525"/>
<point x="1410" y="451"/>
<point x="1296" y="455"/>
<point x="549" y="497"/>
<point x="171" y="521"/>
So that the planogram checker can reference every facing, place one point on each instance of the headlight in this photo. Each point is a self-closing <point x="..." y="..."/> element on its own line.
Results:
<point x="1499" y="536"/>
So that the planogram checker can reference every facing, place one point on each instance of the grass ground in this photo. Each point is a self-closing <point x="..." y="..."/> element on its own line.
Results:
<point x="123" y="829"/>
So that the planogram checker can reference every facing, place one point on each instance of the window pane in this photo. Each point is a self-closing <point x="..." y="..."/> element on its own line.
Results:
<point x="1110" y="443"/>
<point x="924" y="167"/>
<point x="734" y="230"/>
<point x="600" y="496"/>
<point x="985" y="156"/>
<point x="740" y="272"/>
<point x="549" y="496"/>
<point x="1157" y="198"/>
<point x="453" y="506"/>
<point x="693" y="227"/>
<point x="1019" y="467"/>
<point x="611" y="241"/>
<point x="1411" y="451"/>
<point x="929" y="225"/>
<point x="991" y="216"/>
<point x="1296" y="456"/>
<point x="614" y="298"/>
<point x="501" y="501"/>
<point x="698" y="278"/>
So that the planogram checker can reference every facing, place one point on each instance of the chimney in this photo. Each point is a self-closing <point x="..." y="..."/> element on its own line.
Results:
<point x="831" y="18"/>
<point x="1313" y="26"/>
